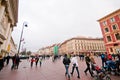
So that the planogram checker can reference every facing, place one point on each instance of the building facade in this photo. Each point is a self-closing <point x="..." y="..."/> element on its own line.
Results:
<point x="8" y="19"/>
<point x="110" y="27"/>
<point x="12" y="47"/>
<point x="49" y="50"/>
<point x="80" y="45"/>
<point x="46" y="50"/>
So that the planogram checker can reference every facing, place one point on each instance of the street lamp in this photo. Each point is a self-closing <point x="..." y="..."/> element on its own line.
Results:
<point x="24" y="25"/>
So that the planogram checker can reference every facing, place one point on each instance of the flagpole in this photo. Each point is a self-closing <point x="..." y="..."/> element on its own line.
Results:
<point x="21" y="36"/>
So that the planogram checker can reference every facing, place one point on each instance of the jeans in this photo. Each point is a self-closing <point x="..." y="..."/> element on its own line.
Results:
<point x="76" y="70"/>
<point x="67" y="72"/>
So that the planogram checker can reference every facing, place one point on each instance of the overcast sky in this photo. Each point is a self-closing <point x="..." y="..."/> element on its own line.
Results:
<point x="54" y="21"/>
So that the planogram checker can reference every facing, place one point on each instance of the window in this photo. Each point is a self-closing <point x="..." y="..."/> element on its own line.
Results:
<point x="108" y="38"/>
<point x="106" y="30"/>
<point x="111" y="50"/>
<point x="119" y="16"/>
<point x="104" y="23"/>
<point x="117" y="36"/>
<point x="112" y="19"/>
<point x="114" y="27"/>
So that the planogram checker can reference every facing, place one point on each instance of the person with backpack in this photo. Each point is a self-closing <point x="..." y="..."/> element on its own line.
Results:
<point x="103" y="59"/>
<point x="66" y="62"/>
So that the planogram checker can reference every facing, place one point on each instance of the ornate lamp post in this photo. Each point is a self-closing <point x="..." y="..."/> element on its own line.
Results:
<point x="24" y="25"/>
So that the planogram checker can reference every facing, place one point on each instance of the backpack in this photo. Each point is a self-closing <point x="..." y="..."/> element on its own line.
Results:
<point x="102" y="56"/>
<point x="66" y="61"/>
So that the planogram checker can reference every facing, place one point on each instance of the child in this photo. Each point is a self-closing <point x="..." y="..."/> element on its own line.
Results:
<point x="32" y="60"/>
<point x="40" y="60"/>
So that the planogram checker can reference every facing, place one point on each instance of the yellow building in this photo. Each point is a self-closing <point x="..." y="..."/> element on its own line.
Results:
<point x="8" y="19"/>
<point x="80" y="45"/>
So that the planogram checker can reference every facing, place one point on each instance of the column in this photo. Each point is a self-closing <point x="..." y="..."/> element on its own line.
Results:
<point x="2" y="9"/>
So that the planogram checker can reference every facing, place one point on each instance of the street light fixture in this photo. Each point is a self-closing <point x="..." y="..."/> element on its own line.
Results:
<point x="24" y="25"/>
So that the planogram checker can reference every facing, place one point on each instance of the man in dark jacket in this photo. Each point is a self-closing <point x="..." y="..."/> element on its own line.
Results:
<point x="1" y="62"/>
<point x="17" y="60"/>
<point x="7" y="58"/>
<point x="87" y="60"/>
<point x="66" y="62"/>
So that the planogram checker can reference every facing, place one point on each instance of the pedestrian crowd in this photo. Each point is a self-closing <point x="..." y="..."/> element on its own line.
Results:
<point x="4" y="61"/>
<point x="36" y="60"/>
<point x="109" y="62"/>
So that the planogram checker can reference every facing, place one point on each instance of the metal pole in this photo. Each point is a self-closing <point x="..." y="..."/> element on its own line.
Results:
<point x="20" y="38"/>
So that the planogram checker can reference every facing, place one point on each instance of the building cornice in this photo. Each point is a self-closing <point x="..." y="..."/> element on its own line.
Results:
<point x="12" y="10"/>
<point x="109" y="15"/>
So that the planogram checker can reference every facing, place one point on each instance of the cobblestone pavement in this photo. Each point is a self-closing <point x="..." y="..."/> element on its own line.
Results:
<point x="48" y="71"/>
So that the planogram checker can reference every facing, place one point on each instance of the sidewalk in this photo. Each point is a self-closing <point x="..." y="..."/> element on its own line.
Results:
<point x="48" y="71"/>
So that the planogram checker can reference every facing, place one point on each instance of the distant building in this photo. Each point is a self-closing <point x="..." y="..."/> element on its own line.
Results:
<point x="8" y="19"/>
<point x="76" y="45"/>
<point x="110" y="27"/>
<point x="80" y="45"/>
<point x="49" y="50"/>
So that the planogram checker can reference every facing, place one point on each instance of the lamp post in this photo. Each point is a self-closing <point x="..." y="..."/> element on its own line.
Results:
<point x="24" y="25"/>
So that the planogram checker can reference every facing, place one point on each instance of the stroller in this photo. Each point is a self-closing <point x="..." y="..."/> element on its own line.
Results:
<point x="111" y="67"/>
<point x="99" y="73"/>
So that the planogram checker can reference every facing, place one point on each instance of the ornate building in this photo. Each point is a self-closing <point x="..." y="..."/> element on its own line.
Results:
<point x="76" y="45"/>
<point x="12" y="47"/>
<point x="80" y="45"/>
<point x="49" y="50"/>
<point x="110" y="27"/>
<point x="8" y="19"/>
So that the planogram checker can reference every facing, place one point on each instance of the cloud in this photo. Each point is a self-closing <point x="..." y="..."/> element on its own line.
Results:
<point x="53" y="21"/>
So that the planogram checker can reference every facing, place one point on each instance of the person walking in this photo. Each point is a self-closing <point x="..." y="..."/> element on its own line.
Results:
<point x="13" y="62"/>
<point x="36" y="60"/>
<point x="32" y="60"/>
<point x="17" y="61"/>
<point x="7" y="58"/>
<point x="75" y="65"/>
<point x="103" y="57"/>
<point x="92" y="61"/>
<point x="87" y="60"/>
<point x="40" y="60"/>
<point x="66" y="62"/>
<point x="1" y="62"/>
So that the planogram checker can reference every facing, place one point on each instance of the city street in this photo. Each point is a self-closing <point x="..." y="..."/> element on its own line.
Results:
<point x="48" y="71"/>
